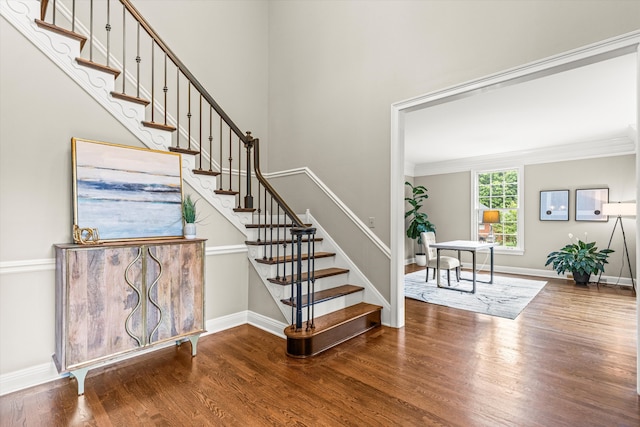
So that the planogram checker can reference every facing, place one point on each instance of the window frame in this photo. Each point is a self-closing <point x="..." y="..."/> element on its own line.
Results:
<point x="476" y="211"/>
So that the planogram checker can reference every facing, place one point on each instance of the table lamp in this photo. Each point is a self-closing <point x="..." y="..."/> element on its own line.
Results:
<point x="491" y="217"/>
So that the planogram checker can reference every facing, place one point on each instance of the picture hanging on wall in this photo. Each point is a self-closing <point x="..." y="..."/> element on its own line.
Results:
<point x="554" y="205"/>
<point x="589" y="204"/>
<point x="126" y="193"/>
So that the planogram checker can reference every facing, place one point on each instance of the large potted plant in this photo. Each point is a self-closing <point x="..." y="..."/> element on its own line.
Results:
<point x="418" y="221"/>
<point x="580" y="259"/>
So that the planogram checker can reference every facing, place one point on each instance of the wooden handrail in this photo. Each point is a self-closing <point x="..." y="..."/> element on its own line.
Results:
<point x="256" y="167"/>
<point x="183" y="69"/>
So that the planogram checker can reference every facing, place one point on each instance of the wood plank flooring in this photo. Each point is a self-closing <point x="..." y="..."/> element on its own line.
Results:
<point x="568" y="360"/>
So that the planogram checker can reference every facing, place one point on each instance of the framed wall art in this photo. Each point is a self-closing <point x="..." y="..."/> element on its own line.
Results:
<point x="589" y="204"/>
<point x="126" y="193"/>
<point x="554" y="205"/>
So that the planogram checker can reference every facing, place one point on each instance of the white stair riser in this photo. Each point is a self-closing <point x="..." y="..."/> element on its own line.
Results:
<point x="332" y="305"/>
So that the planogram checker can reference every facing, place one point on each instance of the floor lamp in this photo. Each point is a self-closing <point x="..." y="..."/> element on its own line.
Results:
<point x="619" y="210"/>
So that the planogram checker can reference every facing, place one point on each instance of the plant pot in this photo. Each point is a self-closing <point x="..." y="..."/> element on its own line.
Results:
<point x="190" y="230"/>
<point x="421" y="260"/>
<point x="581" y="279"/>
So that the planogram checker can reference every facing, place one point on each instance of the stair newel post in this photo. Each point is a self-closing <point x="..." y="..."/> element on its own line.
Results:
<point x="248" y="198"/>
<point x="311" y="251"/>
<point x="296" y="275"/>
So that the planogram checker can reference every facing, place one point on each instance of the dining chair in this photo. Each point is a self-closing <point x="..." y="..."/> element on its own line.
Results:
<point x="446" y="262"/>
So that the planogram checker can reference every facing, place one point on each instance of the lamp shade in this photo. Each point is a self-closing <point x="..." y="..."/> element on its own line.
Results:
<point x="619" y="209"/>
<point x="490" y="217"/>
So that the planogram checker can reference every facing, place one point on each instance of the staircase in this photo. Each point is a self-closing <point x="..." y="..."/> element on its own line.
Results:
<point x="318" y="289"/>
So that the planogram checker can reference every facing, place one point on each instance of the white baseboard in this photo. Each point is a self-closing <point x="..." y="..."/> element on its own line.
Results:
<point x="46" y="372"/>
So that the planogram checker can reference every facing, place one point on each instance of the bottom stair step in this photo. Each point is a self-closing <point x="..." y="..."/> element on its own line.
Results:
<point x="332" y="329"/>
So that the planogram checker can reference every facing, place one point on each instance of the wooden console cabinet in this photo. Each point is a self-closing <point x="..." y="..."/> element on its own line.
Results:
<point x="116" y="298"/>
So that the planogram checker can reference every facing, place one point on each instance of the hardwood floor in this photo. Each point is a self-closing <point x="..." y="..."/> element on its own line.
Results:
<point x="568" y="360"/>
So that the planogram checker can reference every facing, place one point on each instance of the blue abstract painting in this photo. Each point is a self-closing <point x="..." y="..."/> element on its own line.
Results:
<point x="126" y="192"/>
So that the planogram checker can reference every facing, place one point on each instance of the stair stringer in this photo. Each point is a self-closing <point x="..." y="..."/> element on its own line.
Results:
<point x="341" y="260"/>
<point x="63" y="51"/>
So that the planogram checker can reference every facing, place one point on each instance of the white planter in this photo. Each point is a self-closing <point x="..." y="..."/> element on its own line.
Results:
<point x="421" y="260"/>
<point x="190" y="231"/>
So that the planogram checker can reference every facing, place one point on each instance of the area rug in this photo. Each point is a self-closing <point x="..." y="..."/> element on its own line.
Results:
<point x="506" y="297"/>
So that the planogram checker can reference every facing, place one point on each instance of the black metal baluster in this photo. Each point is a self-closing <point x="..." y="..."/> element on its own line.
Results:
<point x="313" y="279"/>
<point x="210" y="138"/>
<point x="73" y="16"/>
<point x="90" y="30"/>
<point x="153" y="81"/>
<point x="239" y="172"/>
<point x="200" y="133"/>
<point x="189" y="117"/>
<point x="259" y="211"/>
<point x="265" y="219"/>
<point x="220" y="188"/>
<point x="230" y="160"/>
<point x="165" y="89"/>
<point x="138" y="60"/>
<point x="124" y="48"/>
<point x="177" y="107"/>
<point x="108" y="28"/>
<point x="278" y="245"/>
<point x="271" y="231"/>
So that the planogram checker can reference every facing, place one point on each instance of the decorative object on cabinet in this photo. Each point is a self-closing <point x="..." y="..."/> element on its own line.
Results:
<point x="86" y="236"/>
<point x="189" y="216"/>
<point x="119" y="298"/>
<point x="127" y="193"/>
<point x="589" y="204"/>
<point x="619" y="210"/>
<point x="554" y="205"/>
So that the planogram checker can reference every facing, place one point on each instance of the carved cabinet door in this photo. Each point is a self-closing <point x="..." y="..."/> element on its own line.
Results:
<point x="104" y="305"/>
<point x="175" y="294"/>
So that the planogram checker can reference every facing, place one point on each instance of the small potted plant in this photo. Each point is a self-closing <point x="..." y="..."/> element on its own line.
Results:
<point x="189" y="216"/>
<point x="419" y="221"/>
<point x="580" y="258"/>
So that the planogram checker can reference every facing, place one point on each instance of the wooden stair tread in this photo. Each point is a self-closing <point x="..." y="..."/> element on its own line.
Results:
<point x="318" y="274"/>
<point x="281" y="259"/>
<point x="205" y="172"/>
<point x="79" y="37"/>
<point x="277" y="242"/>
<point x="184" y="151"/>
<point x="160" y="126"/>
<point x="96" y="66"/>
<point x="130" y="98"/>
<point x="227" y="192"/>
<point x="325" y="295"/>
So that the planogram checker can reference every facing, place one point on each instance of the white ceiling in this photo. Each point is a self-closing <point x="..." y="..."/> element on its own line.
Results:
<point x="591" y="103"/>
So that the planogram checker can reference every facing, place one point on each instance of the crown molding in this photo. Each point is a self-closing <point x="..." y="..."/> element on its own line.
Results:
<point x="584" y="150"/>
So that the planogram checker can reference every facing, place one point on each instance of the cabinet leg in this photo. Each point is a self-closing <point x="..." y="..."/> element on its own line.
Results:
<point x="194" y="344"/>
<point x="80" y="375"/>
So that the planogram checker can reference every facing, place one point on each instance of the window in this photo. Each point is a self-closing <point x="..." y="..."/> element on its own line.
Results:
<point x="500" y="190"/>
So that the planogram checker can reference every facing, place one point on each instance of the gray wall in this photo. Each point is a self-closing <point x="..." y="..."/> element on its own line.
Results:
<point x="41" y="109"/>
<point x="449" y="207"/>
